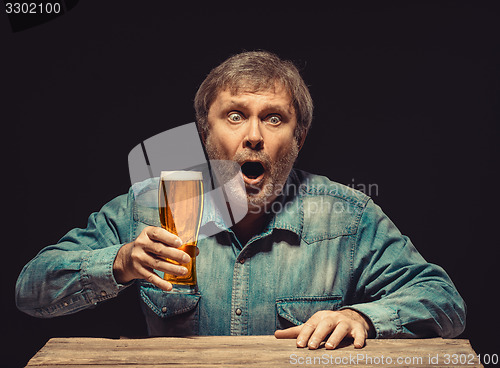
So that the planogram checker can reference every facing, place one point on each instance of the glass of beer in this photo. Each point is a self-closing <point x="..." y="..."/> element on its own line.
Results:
<point x="180" y="197"/>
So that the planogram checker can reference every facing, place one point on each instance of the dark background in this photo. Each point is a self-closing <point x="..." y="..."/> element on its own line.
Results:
<point x="406" y="96"/>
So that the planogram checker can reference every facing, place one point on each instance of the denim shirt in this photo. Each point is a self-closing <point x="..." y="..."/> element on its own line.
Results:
<point x="326" y="247"/>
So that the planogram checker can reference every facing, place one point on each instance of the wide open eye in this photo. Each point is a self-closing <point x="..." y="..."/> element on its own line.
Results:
<point x="235" y="117"/>
<point x="273" y="119"/>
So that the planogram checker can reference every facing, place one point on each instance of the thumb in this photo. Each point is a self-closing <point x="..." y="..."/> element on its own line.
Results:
<point x="288" y="333"/>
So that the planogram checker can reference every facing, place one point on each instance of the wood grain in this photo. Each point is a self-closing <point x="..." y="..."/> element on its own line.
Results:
<point x="248" y="351"/>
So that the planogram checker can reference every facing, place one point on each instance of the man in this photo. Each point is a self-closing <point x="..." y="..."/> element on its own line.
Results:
<point x="311" y="260"/>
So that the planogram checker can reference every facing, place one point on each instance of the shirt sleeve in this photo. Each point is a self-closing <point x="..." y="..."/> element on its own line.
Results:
<point x="401" y="294"/>
<point x="77" y="272"/>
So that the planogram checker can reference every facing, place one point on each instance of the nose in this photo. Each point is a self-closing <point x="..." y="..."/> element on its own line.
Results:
<point x="254" y="139"/>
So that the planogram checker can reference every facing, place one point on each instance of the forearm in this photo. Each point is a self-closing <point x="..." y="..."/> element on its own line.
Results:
<point x="425" y="309"/>
<point x="59" y="281"/>
<point x="77" y="272"/>
<point x="401" y="293"/>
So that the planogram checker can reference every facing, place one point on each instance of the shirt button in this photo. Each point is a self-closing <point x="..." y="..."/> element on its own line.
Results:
<point x="238" y="311"/>
<point x="242" y="260"/>
<point x="164" y="309"/>
<point x="103" y="293"/>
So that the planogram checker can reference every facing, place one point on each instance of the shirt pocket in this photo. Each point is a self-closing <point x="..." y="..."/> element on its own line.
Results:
<point x="294" y="311"/>
<point x="176" y="314"/>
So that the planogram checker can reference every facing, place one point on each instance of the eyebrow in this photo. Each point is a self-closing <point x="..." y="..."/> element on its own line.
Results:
<point x="267" y="107"/>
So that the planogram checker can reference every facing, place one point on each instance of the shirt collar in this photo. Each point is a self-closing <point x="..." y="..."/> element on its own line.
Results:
<point x="286" y="209"/>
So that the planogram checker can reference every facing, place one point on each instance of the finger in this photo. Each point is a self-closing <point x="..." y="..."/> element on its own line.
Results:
<point x="161" y="235"/>
<point x="288" y="333"/>
<point x="341" y="330"/>
<point x="197" y="251"/>
<point x="305" y="333"/>
<point x="323" y="329"/>
<point x="359" y="335"/>
<point x="163" y="251"/>
<point x="156" y="280"/>
<point x="151" y="262"/>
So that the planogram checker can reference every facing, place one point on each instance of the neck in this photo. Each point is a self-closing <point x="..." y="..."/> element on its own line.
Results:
<point x="254" y="221"/>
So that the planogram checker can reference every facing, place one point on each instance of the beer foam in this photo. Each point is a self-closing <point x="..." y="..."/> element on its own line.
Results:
<point x="181" y="175"/>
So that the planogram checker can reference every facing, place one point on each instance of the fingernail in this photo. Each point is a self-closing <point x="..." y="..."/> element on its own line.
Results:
<point x="178" y="242"/>
<point x="184" y="270"/>
<point x="313" y="345"/>
<point x="186" y="258"/>
<point x="301" y="343"/>
<point x="329" y="345"/>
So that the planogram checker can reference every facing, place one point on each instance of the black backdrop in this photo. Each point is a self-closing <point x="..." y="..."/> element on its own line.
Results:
<point x="406" y="97"/>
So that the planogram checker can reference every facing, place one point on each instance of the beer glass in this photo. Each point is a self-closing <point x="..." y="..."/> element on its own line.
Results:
<point x="180" y="197"/>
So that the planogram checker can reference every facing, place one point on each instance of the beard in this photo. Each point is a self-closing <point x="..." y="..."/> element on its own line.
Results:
<point x="276" y="172"/>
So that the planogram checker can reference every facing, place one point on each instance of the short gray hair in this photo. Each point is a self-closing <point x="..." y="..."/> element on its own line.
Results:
<point x="255" y="71"/>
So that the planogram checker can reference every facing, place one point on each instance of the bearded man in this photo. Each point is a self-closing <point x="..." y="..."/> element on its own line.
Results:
<point x="312" y="259"/>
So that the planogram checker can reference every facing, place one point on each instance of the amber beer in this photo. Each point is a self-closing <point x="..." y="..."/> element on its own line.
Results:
<point x="181" y="206"/>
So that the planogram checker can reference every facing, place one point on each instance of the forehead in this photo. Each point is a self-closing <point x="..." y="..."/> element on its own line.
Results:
<point x="276" y="96"/>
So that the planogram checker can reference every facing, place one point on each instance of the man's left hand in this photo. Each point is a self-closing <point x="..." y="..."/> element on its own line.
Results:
<point x="340" y="324"/>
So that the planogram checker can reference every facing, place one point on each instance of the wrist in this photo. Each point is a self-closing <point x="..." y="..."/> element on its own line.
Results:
<point x="119" y="265"/>
<point x="361" y="318"/>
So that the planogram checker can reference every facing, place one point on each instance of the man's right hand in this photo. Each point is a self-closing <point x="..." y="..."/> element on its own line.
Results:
<point x="139" y="259"/>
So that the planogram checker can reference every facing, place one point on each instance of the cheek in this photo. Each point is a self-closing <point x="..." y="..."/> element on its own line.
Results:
<point x="282" y="147"/>
<point x="227" y="143"/>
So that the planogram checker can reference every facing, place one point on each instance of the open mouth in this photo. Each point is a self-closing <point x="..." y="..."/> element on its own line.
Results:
<point x="253" y="172"/>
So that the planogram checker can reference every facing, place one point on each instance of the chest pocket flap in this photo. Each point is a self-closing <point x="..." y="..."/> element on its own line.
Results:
<point x="298" y="310"/>
<point x="167" y="304"/>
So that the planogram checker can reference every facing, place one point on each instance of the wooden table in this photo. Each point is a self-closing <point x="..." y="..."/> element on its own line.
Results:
<point x="248" y="351"/>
